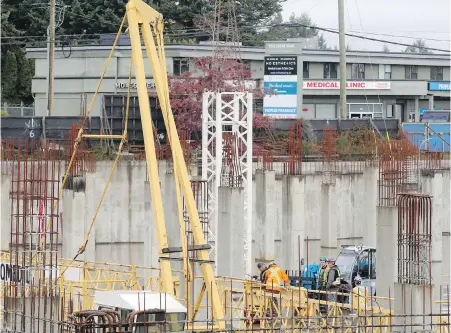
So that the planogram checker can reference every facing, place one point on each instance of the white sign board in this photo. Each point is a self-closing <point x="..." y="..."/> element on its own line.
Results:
<point x="124" y="85"/>
<point x="21" y="274"/>
<point x="351" y="85"/>
<point x="280" y="86"/>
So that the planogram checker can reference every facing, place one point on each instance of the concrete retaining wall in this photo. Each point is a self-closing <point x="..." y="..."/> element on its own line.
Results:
<point x="286" y="209"/>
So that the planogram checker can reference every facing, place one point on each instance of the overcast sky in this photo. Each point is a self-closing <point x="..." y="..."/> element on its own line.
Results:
<point x="414" y="19"/>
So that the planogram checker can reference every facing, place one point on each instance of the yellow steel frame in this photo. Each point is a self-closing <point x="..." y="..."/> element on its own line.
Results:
<point x="144" y="20"/>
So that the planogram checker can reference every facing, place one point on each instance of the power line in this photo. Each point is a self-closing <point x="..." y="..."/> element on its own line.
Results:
<point x="195" y="32"/>
<point x="294" y="25"/>
<point x="399" y="36"/>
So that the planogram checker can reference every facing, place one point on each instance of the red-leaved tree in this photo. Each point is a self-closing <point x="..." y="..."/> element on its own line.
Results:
<point x="212" y="74"/>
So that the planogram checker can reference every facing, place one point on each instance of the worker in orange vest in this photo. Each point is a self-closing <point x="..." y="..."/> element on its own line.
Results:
<point x="275" y="278"/>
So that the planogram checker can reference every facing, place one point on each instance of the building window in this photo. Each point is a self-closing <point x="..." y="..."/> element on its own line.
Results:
<point x="411" y="72"/>
<point x="387" y="72"/>
<point x="437" y="73"/>
<point x="330" y="70"/>
<point x="357" y="71"/>
<point x="305" y="66"/>
<point x="181" y="65"/>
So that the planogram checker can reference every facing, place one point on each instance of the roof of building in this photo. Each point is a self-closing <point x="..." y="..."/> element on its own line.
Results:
<point x="246" y="51"/>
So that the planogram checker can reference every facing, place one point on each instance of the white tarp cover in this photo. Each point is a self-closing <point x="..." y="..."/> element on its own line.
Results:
<point x="138" y="300"/>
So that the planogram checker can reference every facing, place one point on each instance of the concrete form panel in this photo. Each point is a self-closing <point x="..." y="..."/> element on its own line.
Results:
<point x="230" y="235"/>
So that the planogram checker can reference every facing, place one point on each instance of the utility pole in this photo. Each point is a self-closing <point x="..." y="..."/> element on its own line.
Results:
<point x="51" y="56"/>
<point x="342" y="44"/>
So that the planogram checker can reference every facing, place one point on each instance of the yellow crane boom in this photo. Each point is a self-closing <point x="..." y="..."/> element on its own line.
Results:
<point x="146" y="22"/>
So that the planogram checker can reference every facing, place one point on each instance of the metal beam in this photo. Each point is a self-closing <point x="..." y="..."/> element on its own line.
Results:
<point x="149" y="141"/>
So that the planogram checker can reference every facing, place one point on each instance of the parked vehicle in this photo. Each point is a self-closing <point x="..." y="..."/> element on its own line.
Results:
<point x="352" y="260"/>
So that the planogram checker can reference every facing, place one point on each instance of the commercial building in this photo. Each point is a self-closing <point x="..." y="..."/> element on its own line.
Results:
<point x="380" y="84"/>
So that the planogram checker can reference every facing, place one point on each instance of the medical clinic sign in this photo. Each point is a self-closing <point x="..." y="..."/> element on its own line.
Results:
<point x="280" y="86"/>
<point x="351" y="85"/>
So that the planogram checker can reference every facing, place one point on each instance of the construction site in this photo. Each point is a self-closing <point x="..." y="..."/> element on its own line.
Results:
<point x="101" y="236"/>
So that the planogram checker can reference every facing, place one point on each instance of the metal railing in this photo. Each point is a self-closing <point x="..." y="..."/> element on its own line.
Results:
<point x="19" y="110"/>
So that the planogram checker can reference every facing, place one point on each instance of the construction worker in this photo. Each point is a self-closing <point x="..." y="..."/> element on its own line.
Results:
<point x="262" y="268"/>
<point x="275" y="278"/>
<point x="322" y="279"/>
<point x="344" y="288"/>
<point x="333" y="281"/>
<point x="359" y="295"/>
<point x="323" y="272"/>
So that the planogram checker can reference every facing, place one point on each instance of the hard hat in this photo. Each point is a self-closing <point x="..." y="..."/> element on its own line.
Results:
<point x="331" y="261"/>
<point x="273" y="263"/>
<point x="358" y="279"/>
<point x="260" y="265"/>
<point x="323" y="259"/>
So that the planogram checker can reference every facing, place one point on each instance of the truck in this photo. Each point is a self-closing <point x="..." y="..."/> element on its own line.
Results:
<point x="361" y="260"/>
<point x="352" y="260"/>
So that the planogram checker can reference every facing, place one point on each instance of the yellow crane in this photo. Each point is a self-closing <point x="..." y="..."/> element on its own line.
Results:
<point x="146" y="24"/>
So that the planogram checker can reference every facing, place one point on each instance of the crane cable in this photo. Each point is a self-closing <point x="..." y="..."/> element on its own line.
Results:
<point x="82" y="248"/>
<point x="80" y="132"/>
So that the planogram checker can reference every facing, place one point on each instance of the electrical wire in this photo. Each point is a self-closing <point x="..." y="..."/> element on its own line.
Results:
<point x="197" y="33"/>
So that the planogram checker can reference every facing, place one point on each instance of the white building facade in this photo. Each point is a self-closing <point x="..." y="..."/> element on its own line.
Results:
<point x="380" y="84"/>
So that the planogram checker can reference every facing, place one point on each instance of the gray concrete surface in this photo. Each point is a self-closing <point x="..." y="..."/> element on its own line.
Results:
<point x="285" y="208"/>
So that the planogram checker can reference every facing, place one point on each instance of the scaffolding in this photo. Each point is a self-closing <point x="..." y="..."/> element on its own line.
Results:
<point x="414" y="239"/>
<point x="35" y="222"/>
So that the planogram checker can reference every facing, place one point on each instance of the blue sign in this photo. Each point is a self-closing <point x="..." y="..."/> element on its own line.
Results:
<point x="422" y="110"/>
<point x="281" y="88"/>
<point x="438" y="86"/>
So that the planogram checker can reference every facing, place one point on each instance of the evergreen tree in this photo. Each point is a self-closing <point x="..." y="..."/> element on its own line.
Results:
<point x="24" y="77"/>
<point x="9" y="78"/>
<point x="386" y="49"/>
<point x="322" y="44"/>
<point x="419" y="46"/>
<point x="296" y="27"/>
<point x="301" y="31"/>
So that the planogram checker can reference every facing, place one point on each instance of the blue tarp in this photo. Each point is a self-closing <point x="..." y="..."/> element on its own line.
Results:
<point x="435" y="138"/>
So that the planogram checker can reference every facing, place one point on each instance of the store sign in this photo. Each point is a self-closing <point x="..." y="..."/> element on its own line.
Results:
<point x="284" y="46"/>
<point x="21" y="274"/>
<point x="13" y="273"/>
<point x="124" y="85"/>
<point x="280" y="86"/>
<point x="438" y="86"/>
<point x="354" y="85"/>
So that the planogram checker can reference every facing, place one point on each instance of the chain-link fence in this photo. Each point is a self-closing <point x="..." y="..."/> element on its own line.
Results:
<point x="19" y="110"/>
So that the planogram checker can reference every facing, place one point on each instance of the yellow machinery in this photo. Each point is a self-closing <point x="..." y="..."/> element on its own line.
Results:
<point x="147" y="24"/>
<point x="242" y="300"/>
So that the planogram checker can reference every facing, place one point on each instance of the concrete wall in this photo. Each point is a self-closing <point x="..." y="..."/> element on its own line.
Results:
<point x="398" y="72"/>
<point x="295" y="217"/>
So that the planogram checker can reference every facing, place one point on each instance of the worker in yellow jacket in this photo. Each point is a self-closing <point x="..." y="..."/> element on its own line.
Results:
<point x="359" y="295"/>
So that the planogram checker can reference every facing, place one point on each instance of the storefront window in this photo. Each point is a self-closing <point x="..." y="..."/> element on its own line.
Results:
<point x="437" y="73"/>
<point x="387" y="73"/>
<point x="305" y="66"/>
<point x="330" y="70"/>
<point x="181" y="65"/>
<point x="411" y="72"/>
<point x="357" y="71"/>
